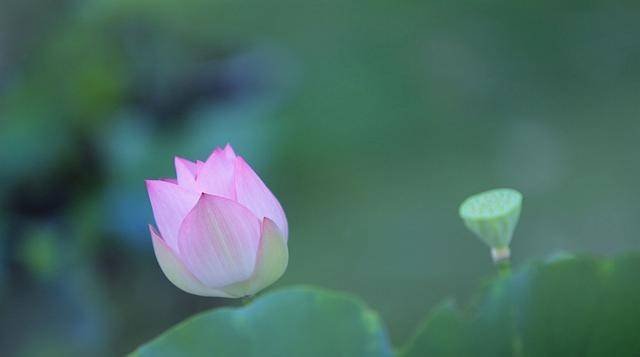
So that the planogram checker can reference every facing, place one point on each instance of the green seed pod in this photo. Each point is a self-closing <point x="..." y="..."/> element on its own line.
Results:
<point x="493" y="216"/>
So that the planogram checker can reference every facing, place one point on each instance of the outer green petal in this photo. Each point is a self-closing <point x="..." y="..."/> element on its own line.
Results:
<point x="176" y="272"/>
<point x="272" y="260"/>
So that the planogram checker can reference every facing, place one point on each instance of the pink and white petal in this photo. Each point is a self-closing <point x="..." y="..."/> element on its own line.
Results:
<point x="219" y="240"/>
<point x="170" y="204"/>
<point x="199" y="166"/>
<point x="229" y="153"/>
<point x="215" y="176"/>
<point x="271" y="262"/>
<point x="254" y="194"/>
<point x="176" y="272"/>
<point x="185" y="172"/>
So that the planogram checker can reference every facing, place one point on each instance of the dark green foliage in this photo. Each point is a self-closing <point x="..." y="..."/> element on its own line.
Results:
<point x="445" y="333"/>
<point x="301" y="321"/>
<point x="570" y="307"/>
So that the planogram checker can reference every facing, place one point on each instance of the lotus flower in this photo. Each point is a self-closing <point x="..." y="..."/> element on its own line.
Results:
<point x="222" y="232"/>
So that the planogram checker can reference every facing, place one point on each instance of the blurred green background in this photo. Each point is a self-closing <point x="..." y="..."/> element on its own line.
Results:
<point x="370" y="121"/>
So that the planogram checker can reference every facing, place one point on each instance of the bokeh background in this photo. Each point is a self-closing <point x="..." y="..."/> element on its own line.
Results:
<point x="370" y="121"/>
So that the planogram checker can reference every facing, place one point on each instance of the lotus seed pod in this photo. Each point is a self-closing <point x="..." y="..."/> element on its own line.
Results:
<point x="493" y="216"/>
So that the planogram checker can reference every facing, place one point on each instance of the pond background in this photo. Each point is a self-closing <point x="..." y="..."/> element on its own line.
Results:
<point x="370" y="121"/>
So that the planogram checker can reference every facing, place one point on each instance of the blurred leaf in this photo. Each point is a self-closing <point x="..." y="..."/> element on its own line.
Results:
<point x="570" y="307"/>
<point x="616" y="330"/>
<point x="443" y="334"/>
<point x="40" y="252"/>
<point x="301" y="321"/>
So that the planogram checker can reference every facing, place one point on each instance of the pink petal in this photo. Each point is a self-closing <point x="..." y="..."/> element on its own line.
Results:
<point x="199" y="165"/>
<point x="170" y="204"/>
<point x="218" y="241"/>
<point x="228" y="152"/>
<point x="254" y="194"/>
<point x="215" y="176"/>
<point x="176" y="272"/>
<point x="271" y="262"/>
<point x="186" y="172"/>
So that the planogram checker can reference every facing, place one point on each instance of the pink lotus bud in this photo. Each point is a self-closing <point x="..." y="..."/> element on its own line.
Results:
<point x="222" y="232"/>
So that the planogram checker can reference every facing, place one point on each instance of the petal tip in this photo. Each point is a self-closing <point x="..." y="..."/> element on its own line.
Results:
<point x="228" y="150"/>
<point x="269" y="226"/>
<point x="151" y="185"/>
<point x="178" y="160"/>
<point x="153" y="230"/>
